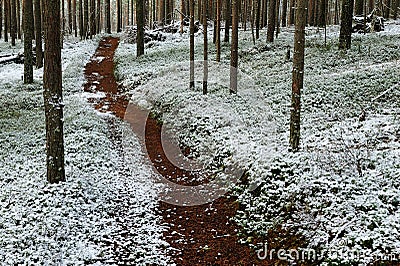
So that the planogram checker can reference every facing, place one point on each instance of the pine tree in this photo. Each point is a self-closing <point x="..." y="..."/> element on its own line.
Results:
<point x="52" y="85"/>
<point x="298" y="73"/>
<point x="140" y="27"/>
<point x="38" y="34"/>
<point x="346" y="24"/>
<point x="28" y="37"/>
<point x="234" y="48"/>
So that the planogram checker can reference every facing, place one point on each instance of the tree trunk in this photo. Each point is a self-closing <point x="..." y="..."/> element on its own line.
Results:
<point x="6" y="18"/>
<point x="227" y="20"/>
<point x="191" y="74"/>
<point x="205" y="62"/>
<point x="81" y="23"/>
<point x="258" y="18"/>
<point x="13" y="22"/>
<point x="108" y="16"/>
<point x="28" y="37"/>
<point x="52" y="85"/>
<point x="140" y="27"/>
<point x="98" y="8"/>
<point x="92" y="17"/>
<point x="38" y="32"/>
<point x="69" y="10"/>
<point x="234" y="48"/>
<point x="284" y="12"/>
<point x="298" y="73"/>
<point x="85" y="18"/>
<point x="74" y="18"/>
<point x="218" y="32"/>
<point x="18" y="26"/>
<point x="119" y="15"/>
<point x="1" y="17"/>
<point x="346" y="24"/>
<point x="271" y="20"/>
<point x="359" y="7"/>
<point x="291" y="12"/>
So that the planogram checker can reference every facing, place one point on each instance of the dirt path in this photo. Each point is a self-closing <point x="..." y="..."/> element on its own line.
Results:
<point x="201" y="235"/>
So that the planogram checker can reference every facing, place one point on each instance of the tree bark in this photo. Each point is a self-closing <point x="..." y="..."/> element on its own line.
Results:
<point x="234" y="48"/>
<point x="38" y="32"/>
<point x="108" y="16"/>
<point x="271" y="20"/>
<point x="191" y="56"/>
<point x="258" y="18"/>
<point x="119" y="15"/>
<point x="1" y="17"/>
<point x="284" y="12"/>
<point x="28" y="37"/>
<point x="227" y="20"/>
<point x="298" y="73"/>
<point x="218" y="32"/>
<point x="85" y="18"/>
<point x="140" y="27"/>
<point x="205" y="62"/>
<point x="80" y="18"/>
<point x="359" y="8"/>
<point x="13" y="22"/>
<point x="346" y="24"/>
<point x="74" y="18"/>
<point x="52" y="85"/>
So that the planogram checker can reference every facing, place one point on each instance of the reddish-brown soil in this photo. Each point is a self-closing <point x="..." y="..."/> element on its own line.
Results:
<point x="200" y="235"/>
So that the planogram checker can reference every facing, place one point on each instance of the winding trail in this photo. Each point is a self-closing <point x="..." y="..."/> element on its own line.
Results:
<point x="200" y="235"/>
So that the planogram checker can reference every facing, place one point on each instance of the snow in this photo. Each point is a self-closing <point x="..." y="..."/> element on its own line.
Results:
<point x="341" y="191"/>
<point x="105" y="212"/>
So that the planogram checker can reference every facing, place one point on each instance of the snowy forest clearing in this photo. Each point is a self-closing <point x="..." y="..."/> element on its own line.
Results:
<point x="341" y="191"/>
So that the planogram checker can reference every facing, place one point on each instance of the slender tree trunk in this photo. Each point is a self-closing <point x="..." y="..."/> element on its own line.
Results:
<point x="277" y="17"/>
<point x="63" y="16"/>
<point x="119" y="15"/>
<point x="291" y="12"/>
<point x="74" y="18"/>
<point x="1" y="17"/>
<point x="298" y="73"/>
<point x="140" y="27"/>
<point x="85" y="18"/>
<point x="108" y="16"/>
<point x="234" y="48"/>
<point x="227" y="19"/>
<point x="322" y="14"/>
<point x="359" y="7"/>
<point x="38" y="32"/>
<point x="345" y="24"/>
<point x="28" y="37"/>
<point x="252" y="20"/>
<point x="218" y="31"/>
<point x="98" y="8"/>
<point x="205" y="62"/>
<point x="258" y="18"/>
<point x="13" y="22"/>
<point x="6" y="19"/>
<point x="52" y="85"/>
<point x="69" y="10"/>
<point x="92" y="17"/>
<point x="182" y="15"/>
<point x="18" y="20"/>
<point x="81" y="23"/>
<point x="284" y="12"/>
<point x="191" y="74"/>
<point x="271" y="20"/>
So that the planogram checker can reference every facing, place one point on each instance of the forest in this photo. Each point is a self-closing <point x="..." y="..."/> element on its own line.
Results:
<point x="200" y="132"/>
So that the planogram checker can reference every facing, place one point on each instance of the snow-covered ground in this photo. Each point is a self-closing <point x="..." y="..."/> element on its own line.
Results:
<point x="342" y="190"/>
<point x="106" y="208"/>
